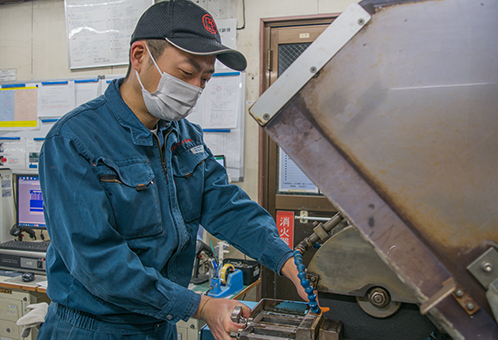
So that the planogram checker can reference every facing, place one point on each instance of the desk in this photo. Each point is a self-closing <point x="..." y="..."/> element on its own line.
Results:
<point x="16" y="282"/>
<point x="15" y="296"/>
<point x="250" y="292"/>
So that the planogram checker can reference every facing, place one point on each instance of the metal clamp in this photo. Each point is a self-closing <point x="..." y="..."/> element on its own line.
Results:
<point x="485" y="267"/>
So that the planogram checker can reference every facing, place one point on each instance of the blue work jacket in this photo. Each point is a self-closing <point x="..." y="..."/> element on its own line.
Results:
<point x="123" y="206"/>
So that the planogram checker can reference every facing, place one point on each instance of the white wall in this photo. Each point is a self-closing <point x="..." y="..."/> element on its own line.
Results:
<point x="33" y="41"/>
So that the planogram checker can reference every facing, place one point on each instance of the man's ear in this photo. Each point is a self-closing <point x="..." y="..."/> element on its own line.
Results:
<point x="138" y="55"/>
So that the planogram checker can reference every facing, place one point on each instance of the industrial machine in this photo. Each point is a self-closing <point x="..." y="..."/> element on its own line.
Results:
<point x="392" y="113"/>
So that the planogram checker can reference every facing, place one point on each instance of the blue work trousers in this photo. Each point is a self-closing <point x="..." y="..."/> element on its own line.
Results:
<point x="63" y="323"/>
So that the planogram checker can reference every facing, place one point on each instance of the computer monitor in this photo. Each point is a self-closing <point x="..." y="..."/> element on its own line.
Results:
<point x="221" y="159"/>
<point x="29" y="202"/>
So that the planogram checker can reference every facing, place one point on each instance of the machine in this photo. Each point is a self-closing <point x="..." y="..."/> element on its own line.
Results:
<point x="392" y="113"/>
<point x="7" y="211"/>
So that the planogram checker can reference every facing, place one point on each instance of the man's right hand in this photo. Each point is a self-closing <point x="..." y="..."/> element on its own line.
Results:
<point x="217" y="314"/>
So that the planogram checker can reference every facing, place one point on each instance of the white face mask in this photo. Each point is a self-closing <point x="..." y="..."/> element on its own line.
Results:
<point x="173" y="99"/>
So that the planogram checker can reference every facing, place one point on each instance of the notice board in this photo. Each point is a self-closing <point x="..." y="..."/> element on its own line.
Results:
<point x="99" y="31"/>
<point x="220" y="113"/>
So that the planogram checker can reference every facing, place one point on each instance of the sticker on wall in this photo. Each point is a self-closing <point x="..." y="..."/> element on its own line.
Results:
<point x="285" y="225"/>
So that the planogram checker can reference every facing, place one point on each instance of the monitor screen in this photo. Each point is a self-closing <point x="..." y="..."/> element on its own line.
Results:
<point x="221" y="159"/>
<point x="29" y="202"/>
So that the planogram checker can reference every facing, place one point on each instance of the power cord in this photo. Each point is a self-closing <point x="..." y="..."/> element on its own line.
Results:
<point x="31" y="233"/>
<point x="243" y="15"/>
<point x="17" y="232"/>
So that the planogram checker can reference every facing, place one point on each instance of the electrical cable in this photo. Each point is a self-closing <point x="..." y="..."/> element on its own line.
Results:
<point x="30" y="232"/>
<point x="14" y="185"/>
<point x="243" y="15"/>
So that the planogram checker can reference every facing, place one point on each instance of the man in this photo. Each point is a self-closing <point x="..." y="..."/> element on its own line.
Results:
<point x="126" y="183"/>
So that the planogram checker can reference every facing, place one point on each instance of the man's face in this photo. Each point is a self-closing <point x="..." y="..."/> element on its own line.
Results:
<point x="193" y="69"/>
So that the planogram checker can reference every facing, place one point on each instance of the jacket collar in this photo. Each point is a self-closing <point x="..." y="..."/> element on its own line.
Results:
<point x="140" y="135"/>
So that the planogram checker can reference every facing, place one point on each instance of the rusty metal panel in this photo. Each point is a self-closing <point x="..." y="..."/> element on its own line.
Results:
<point x="398" y="130"/>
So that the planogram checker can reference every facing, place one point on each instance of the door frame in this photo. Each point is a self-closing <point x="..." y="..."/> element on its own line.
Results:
<point x="266" y="147"/>
<point x="272" y="285"/>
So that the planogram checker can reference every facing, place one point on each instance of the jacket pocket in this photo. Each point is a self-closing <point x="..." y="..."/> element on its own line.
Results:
<point x="133" y="196"/>
<point x="188" y="172"/>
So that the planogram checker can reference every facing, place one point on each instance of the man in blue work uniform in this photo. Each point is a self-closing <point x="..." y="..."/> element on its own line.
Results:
<point x="126" y="183"/>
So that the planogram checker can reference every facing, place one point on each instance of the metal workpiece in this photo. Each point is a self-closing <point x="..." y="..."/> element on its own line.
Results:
<point x="402" y="122"/>
<point x="237" y="316"/>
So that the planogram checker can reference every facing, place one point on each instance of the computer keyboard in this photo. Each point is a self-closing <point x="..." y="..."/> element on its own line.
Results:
<point x="23" y="245"/>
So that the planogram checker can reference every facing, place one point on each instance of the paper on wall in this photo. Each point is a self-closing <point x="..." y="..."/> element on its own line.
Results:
<point x="13" y="153"/>
<point x="220" y="103"/>
<point x="33" y="148"/>
<point x="18" y="108"/>
<point x="228" y="144"/>
<point x="291" y="178"/>
<point x="86" y="90"/>
<point x="98" y="31"/>
<point x="55" y="99"/>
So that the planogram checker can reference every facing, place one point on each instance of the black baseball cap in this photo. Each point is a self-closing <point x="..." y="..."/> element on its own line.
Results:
<point x="188" y="27"/>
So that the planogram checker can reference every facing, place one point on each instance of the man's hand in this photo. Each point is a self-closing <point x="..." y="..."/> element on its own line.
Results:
<point x="217" y="314"/>
<point x="290" y="271"/>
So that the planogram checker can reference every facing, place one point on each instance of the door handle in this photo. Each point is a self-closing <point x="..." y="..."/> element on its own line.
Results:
<point x="304" y="218"/>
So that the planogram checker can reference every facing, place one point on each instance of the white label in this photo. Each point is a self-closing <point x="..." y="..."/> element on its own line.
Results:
<point x="6" y="192"/>
<point x="5" y="183"/>
<point x="8" y="74"/>
<point x="197" y="149"/>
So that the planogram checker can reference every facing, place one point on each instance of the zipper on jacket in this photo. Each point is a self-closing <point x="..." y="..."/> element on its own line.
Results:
<point x="115" y="179"/>
<point x="162" y="152"/>
<point x="110" y="179"/>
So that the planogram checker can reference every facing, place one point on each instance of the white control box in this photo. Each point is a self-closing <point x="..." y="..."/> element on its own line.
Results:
<point x="7" y="211"/>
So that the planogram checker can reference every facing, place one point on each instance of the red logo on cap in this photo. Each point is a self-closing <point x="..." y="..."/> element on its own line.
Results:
<point x="209" y="24"/>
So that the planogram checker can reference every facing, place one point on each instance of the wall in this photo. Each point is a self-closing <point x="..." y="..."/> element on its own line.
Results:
<point x="33" y="41"/>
